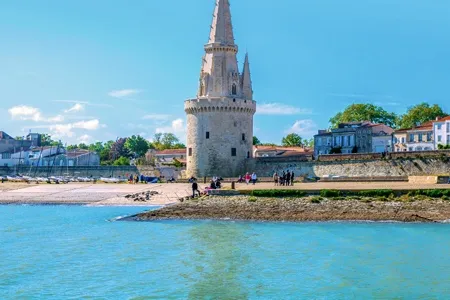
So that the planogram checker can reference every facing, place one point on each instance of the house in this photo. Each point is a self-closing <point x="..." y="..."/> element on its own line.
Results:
<point x="381" y="138"/>
<point x="419" y="138"/>
<point x="322" y="142"/>
<point x="166" y="157"/>
<point x="279" y="151"/>
<point x="354" y="137"/>
<point x="399" y="140"/>
<point x="9" y="145"/>
<point x="441" y="132"/>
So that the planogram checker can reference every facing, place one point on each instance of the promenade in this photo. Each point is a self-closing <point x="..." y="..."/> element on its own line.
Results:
<point x="114" y="194"/>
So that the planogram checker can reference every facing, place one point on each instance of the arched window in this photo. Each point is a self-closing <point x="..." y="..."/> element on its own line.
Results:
<point x="233" y="89"/>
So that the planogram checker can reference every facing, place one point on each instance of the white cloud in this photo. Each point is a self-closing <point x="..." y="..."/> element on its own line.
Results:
<point x="177" y="127"/>
<point x="85" y="139"/>
<point x="123" y="93"/>
<point x="29" y="113"/>
<point x="84" y="103"/>
<point x="305" y="128"/>
<point x="67" y="130"/>
<point x="156" y="117"/>
<point x="280" y="109"/>
<point x="76" y="108"/>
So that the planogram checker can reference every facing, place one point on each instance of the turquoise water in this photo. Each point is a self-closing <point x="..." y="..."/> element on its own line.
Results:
<point x="71" y="252"/>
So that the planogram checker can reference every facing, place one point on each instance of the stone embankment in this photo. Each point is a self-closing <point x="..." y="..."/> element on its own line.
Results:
<point x="303" y="209"/>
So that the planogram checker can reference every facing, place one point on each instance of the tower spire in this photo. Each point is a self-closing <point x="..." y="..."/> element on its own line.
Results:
<point x="222" y="28"/>
<point x="247" y="89"/>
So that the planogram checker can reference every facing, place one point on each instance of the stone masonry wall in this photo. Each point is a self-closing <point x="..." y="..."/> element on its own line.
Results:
<point x="366" y="168"/>
<point x="226" y="120"/>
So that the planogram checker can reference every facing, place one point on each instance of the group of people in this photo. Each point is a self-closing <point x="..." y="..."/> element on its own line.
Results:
<point x="248" y="178"/>
<point x="284" y="179"/>
<point x="216" y="183"/>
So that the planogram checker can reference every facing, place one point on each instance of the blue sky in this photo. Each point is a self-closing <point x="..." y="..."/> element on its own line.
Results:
<point x="96" y="70"/>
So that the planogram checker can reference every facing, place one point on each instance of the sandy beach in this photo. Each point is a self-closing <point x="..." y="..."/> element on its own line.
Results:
<point x="91" y="194"/>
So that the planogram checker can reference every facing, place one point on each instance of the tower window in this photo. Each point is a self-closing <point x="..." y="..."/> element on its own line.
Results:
<point x="243" y="136"/>
<point x="233" y="151"/>
<point x="233" y="89"/>
<point x="248" y="154"/>
<point x="207" y="135"/>
<point x="190" y="151"/>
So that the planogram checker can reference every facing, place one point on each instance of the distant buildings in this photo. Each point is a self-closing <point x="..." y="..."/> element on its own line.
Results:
<point x="366" y="137"/>
<point x="441" y="132"/>
<point x="354" y="137"/>
<point x="28" y="152"/>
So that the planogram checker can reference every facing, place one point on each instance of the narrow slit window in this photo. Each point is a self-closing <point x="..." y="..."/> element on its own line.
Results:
<point x="190" y="151"/>
<point x="243" y="136"/>
<point x="233" y="151"/>
<point x="207" y="135"/>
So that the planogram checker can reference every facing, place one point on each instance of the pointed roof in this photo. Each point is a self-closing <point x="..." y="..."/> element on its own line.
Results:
<point x="246" y="72"/>
<point x="247" y="88"/>
<point x="221" y="28"/>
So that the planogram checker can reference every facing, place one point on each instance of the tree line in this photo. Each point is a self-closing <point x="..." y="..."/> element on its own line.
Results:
<point x="414" y="116"/>
<point x="121" y="151"/>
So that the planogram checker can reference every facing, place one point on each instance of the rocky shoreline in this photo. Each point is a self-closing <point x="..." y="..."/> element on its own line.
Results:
<point x="302" y="209"/>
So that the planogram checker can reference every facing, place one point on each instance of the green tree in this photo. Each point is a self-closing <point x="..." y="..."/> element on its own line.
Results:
<point x="364" y="112"/>
<point x="122" y="161"/>
<point x="137" y="145"/>
<point x="46" y="140"/>
<point x="71" y="147"/>
<point x="256" y="141"/>
<point x="96" y="147"/>
<point x="443" y="147"/>
<point x="292" y="140"/>
<point x="419" y="114"/>
<point x="309" y="143"/>
<point x="83" y="146"/>
<point x="162" y="141"/>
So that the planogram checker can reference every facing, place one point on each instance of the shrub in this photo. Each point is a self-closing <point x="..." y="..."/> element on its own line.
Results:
<point x="252" y="199"/>
<point x="375" y="193"/>
<point x="278" y="193"/>
<point x="315" y="200"/>
<point x="330" y="193"/>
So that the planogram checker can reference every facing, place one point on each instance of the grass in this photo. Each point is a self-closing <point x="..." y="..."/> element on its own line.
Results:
<point x="278" y="193"/>
<point x="373" y="195"/>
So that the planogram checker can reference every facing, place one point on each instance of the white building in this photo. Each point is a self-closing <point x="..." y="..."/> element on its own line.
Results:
<point x="441" y="132"/>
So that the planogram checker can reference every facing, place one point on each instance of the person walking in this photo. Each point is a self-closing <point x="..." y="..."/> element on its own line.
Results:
<point x="292" y="178"/>
<point x="254" y="178"/>
<point x="288" y="178"/>
<point x="195" y="188"/>
<point x="275" y="178"/>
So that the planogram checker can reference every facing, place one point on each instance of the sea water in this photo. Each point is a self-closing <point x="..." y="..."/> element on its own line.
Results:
<point x="71" y="252"/>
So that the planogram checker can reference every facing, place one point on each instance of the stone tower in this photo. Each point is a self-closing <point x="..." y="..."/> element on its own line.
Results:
<point x="220" y="118"/>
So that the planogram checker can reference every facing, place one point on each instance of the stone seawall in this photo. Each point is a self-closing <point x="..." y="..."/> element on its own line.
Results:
<point x="363" y="168"/>
<point x="98" y="171"/>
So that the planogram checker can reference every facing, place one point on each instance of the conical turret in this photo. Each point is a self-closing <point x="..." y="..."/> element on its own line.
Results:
<point x="221" y="27"/>
<point x="247" y="89"/>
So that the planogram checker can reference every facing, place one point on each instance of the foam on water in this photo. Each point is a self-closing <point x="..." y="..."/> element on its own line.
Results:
<point x="63" y="252"/>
